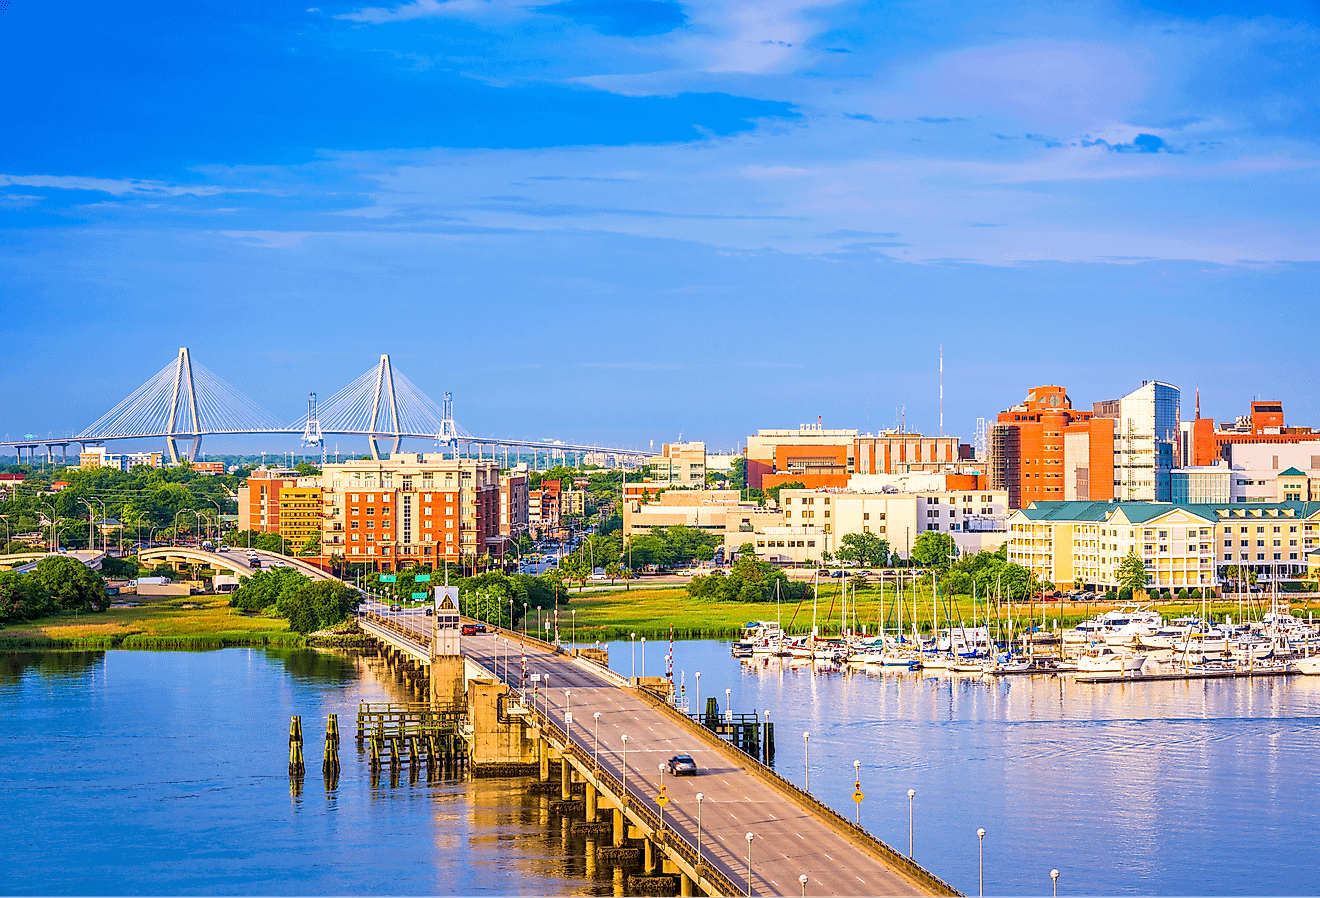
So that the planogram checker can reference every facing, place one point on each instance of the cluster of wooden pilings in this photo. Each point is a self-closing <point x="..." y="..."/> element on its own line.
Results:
<point x="412" y="735"/>
<point x="746" y="732"/>
<point x="329" y="758"/>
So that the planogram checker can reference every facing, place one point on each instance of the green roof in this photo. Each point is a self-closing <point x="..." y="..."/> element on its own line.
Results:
<point x="1292" y="472"/>
<point x="1141" y="512"/>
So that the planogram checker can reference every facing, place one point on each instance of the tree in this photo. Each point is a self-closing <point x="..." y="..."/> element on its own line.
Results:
<point x="791" y="485"/>
<point x="738" y="474"/>
<point x="315" y="606"/>
<point x="934" y="549"/>
<point x="268" y="589"/>
<point x="312" y="547"/>
<point x="1132" y="573"/>
<point x="70" y="584"/>
<point x="865" y="549"/>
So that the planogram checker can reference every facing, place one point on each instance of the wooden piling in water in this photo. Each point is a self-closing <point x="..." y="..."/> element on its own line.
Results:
<point x="330" y="757"/>
<point x="296" y="767"/>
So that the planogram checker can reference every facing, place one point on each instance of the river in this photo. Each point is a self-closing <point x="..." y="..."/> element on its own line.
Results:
<point x="165" y="773"/>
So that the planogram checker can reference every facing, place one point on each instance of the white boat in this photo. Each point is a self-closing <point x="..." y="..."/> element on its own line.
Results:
<point x="1118" y="626"/>
<point x="1165" y="637"/>
<point x="1251" y="648"/>
<point x="1309" y="665"/>
<point x="1105" y="659"/>
<point x="765" y="637"/>
<point x="1201" y="644"/>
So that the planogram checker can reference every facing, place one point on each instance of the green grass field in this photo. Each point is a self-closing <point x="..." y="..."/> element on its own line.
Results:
<point x="650" y="611"/>
<point x="159" y="622"/>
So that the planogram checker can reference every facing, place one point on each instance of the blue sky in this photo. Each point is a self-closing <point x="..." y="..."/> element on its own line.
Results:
<point x="626" y="220"/>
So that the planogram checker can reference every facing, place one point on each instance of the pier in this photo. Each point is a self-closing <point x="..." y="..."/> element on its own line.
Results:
<point x="736" y="828"/>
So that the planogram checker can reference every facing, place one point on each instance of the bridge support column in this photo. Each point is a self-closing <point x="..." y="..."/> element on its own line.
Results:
<point x="620" y="830"/>
<point x="685" y="888"/>
<point x="565" y="778"/>
<point x="543" y="755"/>
<point x="447" y="680"/>
<point x="592" y="805"/>
<point x="648" y="857"/>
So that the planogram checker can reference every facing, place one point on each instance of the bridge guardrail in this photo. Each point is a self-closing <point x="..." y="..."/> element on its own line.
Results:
<point x="840" y="823"/>
<point x="670" y="837"/>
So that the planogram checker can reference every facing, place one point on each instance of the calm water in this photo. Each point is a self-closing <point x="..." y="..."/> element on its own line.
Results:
<point x="164" y="772"/>
<point x="1205" y="787"/>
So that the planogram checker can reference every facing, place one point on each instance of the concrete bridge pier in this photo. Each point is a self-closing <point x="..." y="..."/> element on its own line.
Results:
<point x="543" y="757"/>
<point x="686" y="888"/>
<point x="648" y="856"/>
<point x="447" y="680"/>
<point x="565" y="779"/>
<point x="620" y="828"/>
<point x="592" y="808"/>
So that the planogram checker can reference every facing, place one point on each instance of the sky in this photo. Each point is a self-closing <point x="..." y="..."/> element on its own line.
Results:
<point x="626" y="221"/>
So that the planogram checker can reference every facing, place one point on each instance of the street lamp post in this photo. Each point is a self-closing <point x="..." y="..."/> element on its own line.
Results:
<point x="700" y="799"/>
<point x="750" y="836"/>
<point x="1054" y="875"/>
<point x="912" y="793"/>
<point x="643" y="657"/>
<point x="624" y="774"/>
<point x="698" y="701"/>
<point x="596" y="756"/>
<point x="568" y="715"/>
<point x="632" y="654"/>
<point x="524" y="620"/>
<point x="857" y="788"/>
<point x="980" y="860"/>
<point x="806" y="759"/>
<point x="803" y="879"/>
<point x="662" y="793"/>
<point x="574" y="652"/>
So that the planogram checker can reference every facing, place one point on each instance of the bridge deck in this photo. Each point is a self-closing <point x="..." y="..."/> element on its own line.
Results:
<point x="791" y="838"/>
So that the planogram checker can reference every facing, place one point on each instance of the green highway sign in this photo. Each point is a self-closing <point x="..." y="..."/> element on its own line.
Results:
<point x="388" y="578"/>
<point x="420" y="595"/>
<point x="422" y="578"/>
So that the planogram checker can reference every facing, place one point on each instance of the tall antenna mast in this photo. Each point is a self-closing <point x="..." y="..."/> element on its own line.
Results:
<point x="941" y="391"/>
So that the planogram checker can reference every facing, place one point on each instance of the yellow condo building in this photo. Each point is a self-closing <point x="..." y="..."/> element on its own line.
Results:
<point x="1182" y="545"/>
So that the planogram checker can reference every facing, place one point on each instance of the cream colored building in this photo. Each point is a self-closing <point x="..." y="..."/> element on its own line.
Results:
<point x="679" y="464"/>
<point x="1181" y="545"/>
<point x="816" y="521"/>
<point x="702" y="509"/>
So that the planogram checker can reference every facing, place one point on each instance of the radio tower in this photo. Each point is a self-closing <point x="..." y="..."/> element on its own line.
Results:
<point x="312" y="435"/>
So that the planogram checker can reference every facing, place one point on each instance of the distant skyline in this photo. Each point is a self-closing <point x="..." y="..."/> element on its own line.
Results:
<point x="619" y="221"/>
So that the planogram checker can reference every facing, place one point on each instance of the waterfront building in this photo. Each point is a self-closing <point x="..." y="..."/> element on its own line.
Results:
<point x="514" y="503"/>
<point x="279" y="501"/>
<point x="99" y="457"/>
<point x="1182" y="545"/>
<point x="411" y="509"/>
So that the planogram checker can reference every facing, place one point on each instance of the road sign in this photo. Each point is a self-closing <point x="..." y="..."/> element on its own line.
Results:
<point x="662" y="799"/>
<point x="858" y="796"/>
<point x="422" y="578"/>
<point x="388" y="578"/>
<point x="536" y="678"/>
<point x="419" y="595"/>
<point x="568" y="718"/>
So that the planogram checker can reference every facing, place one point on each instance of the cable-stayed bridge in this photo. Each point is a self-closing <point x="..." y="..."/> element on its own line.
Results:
<point x="185" y="402"/>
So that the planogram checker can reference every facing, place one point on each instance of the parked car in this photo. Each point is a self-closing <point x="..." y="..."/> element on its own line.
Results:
<point x="682" y="765"/>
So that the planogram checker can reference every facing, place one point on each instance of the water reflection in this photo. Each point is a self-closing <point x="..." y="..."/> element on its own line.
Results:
<point x="1189" y="787"/>
<point x="50" y="665"/>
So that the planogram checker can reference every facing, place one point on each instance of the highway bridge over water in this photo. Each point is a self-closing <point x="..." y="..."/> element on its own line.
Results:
<point x="184" y="402"/>
<point x="610" y="735"/>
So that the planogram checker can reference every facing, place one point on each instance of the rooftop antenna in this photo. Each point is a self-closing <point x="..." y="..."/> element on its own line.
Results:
<point x="941" y="391"/>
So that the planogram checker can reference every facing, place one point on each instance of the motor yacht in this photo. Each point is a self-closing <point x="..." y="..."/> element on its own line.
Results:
<point x="1106" y="659"/>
